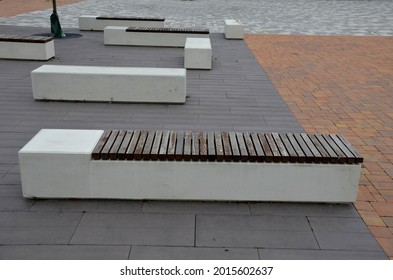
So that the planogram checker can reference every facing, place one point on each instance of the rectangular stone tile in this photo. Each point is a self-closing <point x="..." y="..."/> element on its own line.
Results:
<point x="134" y="236"/>
<point x="338" y="224"/>
<point x="87" y="205"/>
<point x="255" y="239"/>
<point x="39" y="219"/>
<point x="304" y="209"/>
<point x="347" y="241"/>
<point x="195" y="207"/>
<point x="63" y="252"/>
<point x="286" y="254"/>
<point x="10" y="179"/>
<point x="10" y="191"/>
<point x="191" y="253"/>
<point x="15" y="204"/>
<point x="35" y="235"/>
<point x="252" y="223"/>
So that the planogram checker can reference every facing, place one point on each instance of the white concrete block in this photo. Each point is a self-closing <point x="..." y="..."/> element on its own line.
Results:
<point x="116" y="35"/>
<point x="110" y="84"/>
<point x="89" y="22"/>
<point x="234" y="29"/>
<point x="27" y="51"/>
<point x="56" y="163"/>
<point x="198" y="53"/>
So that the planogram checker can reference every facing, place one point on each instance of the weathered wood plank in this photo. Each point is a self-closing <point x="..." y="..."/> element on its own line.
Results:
<point x="179" y="145"/>
<point x="301" y="157"/>
<point x="96" y="154"/>
<point x="333" y="158"/>
<point x="121" y="153"/>
<point x="342" y="158"/>
<point x="219" y="146"/>
<point x="358" y="157"/>
<point x="242" y="147"/>
<point x="113" y="152"/>
<point x="211" y="146"/>
<point x="109" y="144"/>
<point x="195" y="146"/>
<point x="252" y="155"/>
<point x="309" y="156"/>
<point x="156" y="146"/>
<point x="162" y="154"/>
<point x="202" y="145"/>
<point x="227" y="146"/>
<point x="273" y="147"/>
<point x="266" y="147"/>
<point x="187" y="146"/>
<point x="172" y="145"/>
<point x="140" y="145"/>
<point x="261" y="156"/>
<point x="344" y="148"/>
<point x="312" y="148"/>
<point x="281" y="147"/>
<point x="234" y="146"/>
<point x="293" y="157"/>
<point x="320" y="148"/>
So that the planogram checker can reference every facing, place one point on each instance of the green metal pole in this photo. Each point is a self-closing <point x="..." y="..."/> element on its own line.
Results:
<point x="55" y="26"/>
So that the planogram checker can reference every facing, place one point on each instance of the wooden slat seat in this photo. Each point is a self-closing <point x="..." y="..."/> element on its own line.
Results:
<point x="167" y="30"/>
<point x="131" y="18"/>
<point x="225" y="146"/>
<point x="24" y="39"/>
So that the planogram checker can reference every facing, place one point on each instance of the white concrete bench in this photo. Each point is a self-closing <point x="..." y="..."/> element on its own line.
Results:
<point x="158" y="37"/>
<point x="186" y="165"/>
<point x="26" y="47"/>
<point x="98" y="23"/>
<point x="109" y="84"/>
<point x="233" y="29"/>
<point x="198" y="53"/>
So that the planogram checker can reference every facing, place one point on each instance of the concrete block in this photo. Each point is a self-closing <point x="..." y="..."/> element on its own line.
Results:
<point x="234" y="29"/>
<point x="109" y="84"/>
<point x="27" y="51"/>
<point x="198" y="53"/>
<point x="94" y="23"/>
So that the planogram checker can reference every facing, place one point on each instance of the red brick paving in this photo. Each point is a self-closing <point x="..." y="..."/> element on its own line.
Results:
<point x="342" y="84"/>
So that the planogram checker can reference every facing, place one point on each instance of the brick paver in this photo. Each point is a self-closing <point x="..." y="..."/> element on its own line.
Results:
<point x="337" y="84"/>
<point x="9" y="8"/>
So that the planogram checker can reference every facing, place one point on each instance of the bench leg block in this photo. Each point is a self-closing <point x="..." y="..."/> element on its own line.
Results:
<point x="27" y="51"/>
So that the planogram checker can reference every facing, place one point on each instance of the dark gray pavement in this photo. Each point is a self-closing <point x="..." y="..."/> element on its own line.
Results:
<point x="235" y="95"/>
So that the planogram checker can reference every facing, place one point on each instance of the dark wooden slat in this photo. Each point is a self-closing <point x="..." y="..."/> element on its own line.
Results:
<point x="172" y="145"/>
<point x="132" y="146"/>
<point x="146" y="152"/>
<point x="252" y="155"/>
<point x="358" y="157"/>
<point x="202" y="145"/>
<point x="273" y="147"/>
<point x="195" y="146"/>
<point x="261" y="156"/>
<point x="167" y="30"/>
<point x="333" y="158"/>
<point x="219" y="146"/>
<point x="108" y="145"/>
<point x="242" y="147"/>
<point x="320" y="148"/>
<point x="342" y="158"/>
<point x="301" y="157"/>
<point x="179" y="145"/>
<point x="187" y="146"/>
<point x="211" y="147"/>
<point x="234" y="146"/>
<point x="313" y="149"/>
<point x="156" y="146"/>
<point x="121" y="153"/>
<point x="309" y="156"/>
<point x="226" y="143"/>
<point x="140" y="145"/>
<point x="131" y="18"/>
<point x="113" y="152"/>
<point x="344" y="148"/>
<point x="266" y="147"/>
<point x="96" y="154"/>
<point x="162" y="154"/>
<point x="288" y="146"/>
<point x="281" y="147"/>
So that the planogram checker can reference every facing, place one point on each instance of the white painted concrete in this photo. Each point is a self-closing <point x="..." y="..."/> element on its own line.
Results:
<point x="117" y="35"/>
<point x="110" y="84"/>
<point x="198" y="53"/>
<point x="234" y="29"/>
<point x="27" y="51"/>
<point x="88" y="22"/>
<point x="52" y="168"/>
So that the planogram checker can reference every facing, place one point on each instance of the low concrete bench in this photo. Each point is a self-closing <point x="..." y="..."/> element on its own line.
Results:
<point x="26" y="47"/>
<point x="109" y="84"/>
<point x="233" y="29"/>
<point x="98" y="23"/>
<point x="198" y="53"/>
<point x="144" y="36"/>
<point x="185" y="165"/>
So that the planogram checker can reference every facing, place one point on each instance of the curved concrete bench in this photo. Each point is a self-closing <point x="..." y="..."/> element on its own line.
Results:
<point x="26" y="47"/>
<point x="185" y="165"/>
<point x="144" y="36"/>
<point x="109" y="84"/>
<point x="98" y="23"/>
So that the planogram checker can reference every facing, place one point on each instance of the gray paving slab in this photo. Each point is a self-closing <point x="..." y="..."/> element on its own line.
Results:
<point x="191" y="253"/>
<point x="23" y="235"/>
<point x="39" y="219"/>
<point x="285" y="254"/>
<point x="15" y="204"/>
<point x="355" y="225"/>
<point x="352" y="17"/>
<point x="63" y="252"/>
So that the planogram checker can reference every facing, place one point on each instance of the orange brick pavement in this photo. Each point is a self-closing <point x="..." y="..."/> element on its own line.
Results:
<point x="342" y="84"/>
<point x="9" y="8"/>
